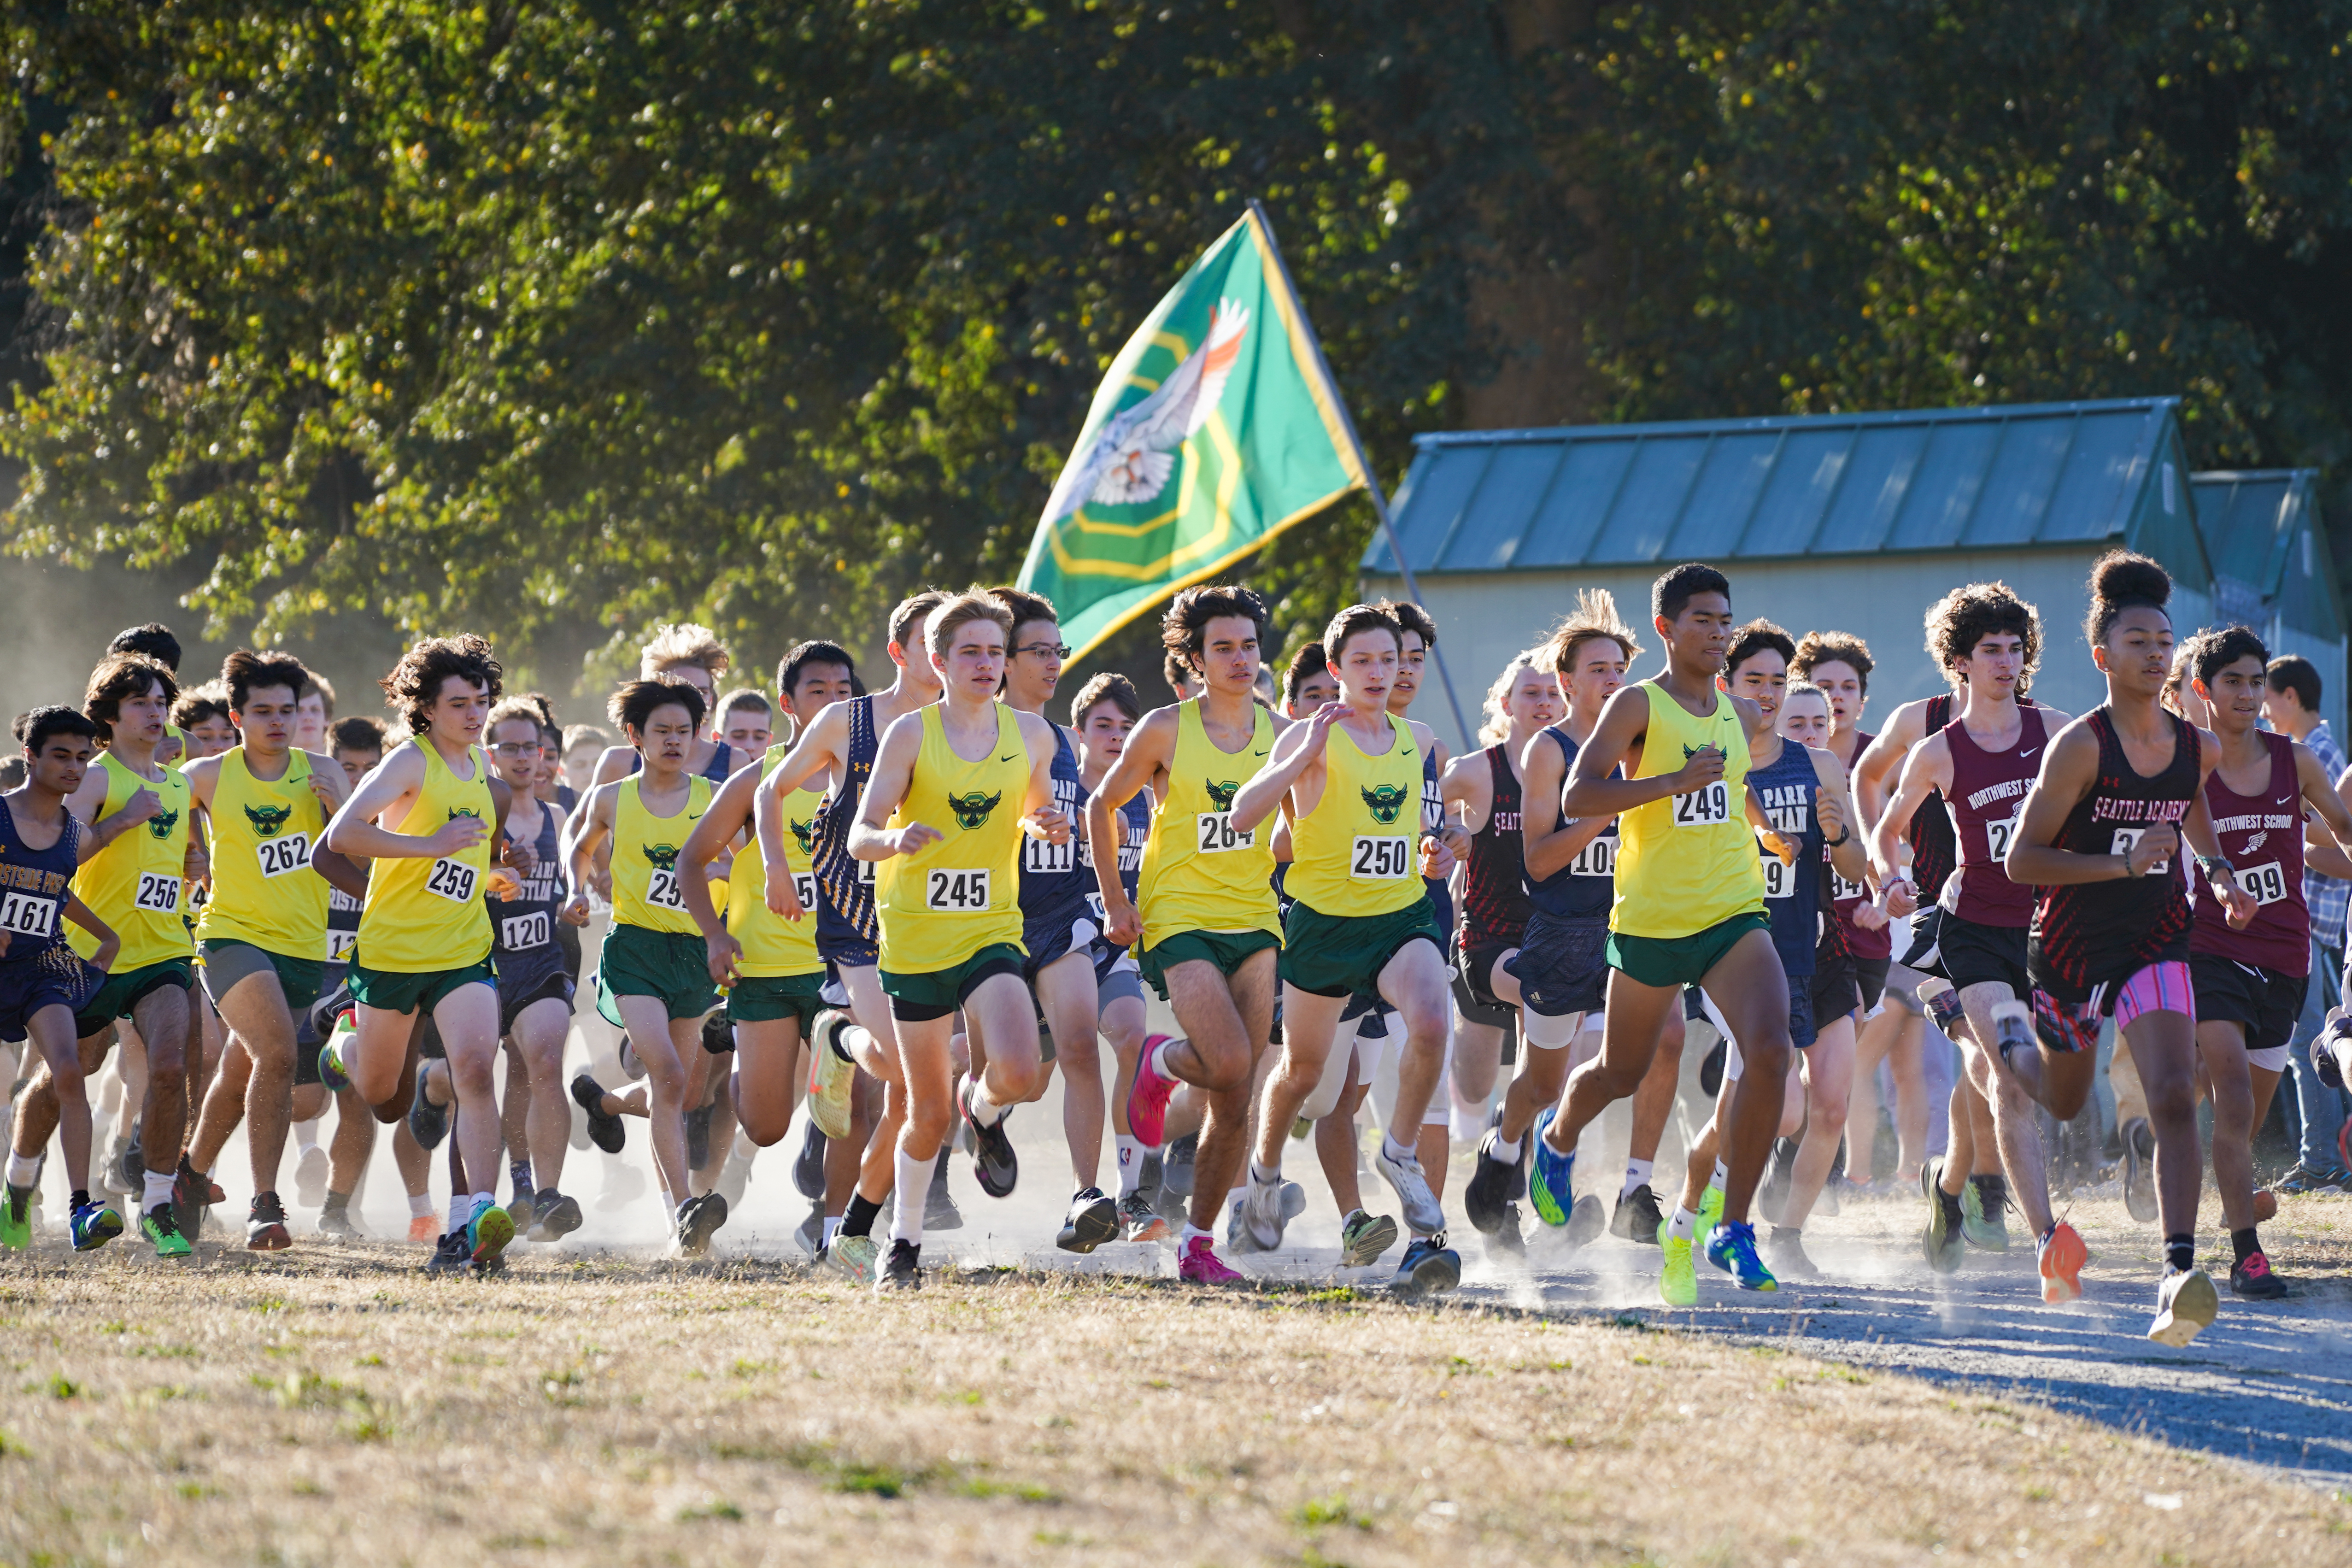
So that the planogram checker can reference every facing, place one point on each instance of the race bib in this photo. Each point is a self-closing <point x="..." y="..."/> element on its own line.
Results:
<point x="1598" y="859"/>
<point x="1704" y="807"/>
<point x="662" y="890"/>
<point x="454" y="880"/>
<point x="1039" y="858"/>
<point x="1841" y="889"/>
<point x="2000" y="835"/>
<point x="956" y="892"/>
<point x="1780" y="881"/>
<point x="339" y="944"/>
<point x="2128" y="837"/>
<point x="1216" y="834"/>
<point x="1380" y="859"/>
<point x="2267" y="882"/>
<point x="283" y="857"/>
<point x="1095" y="907"/>
<point x="804" y="887"/>
<point x="28" y="914"/>
<point x="518" y="932"/>
<point x="158" y="895"/>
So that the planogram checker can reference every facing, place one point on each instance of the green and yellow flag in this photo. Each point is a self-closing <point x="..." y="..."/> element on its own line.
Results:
<point x="1216" y="429"/>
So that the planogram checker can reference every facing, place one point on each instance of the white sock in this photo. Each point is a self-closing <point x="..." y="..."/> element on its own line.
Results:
<point x="985" y="1112"/>
<point x="844" y="1047"/>
<point x="23" y="1170"/>
<point x="1721" y="1180"/>
<point x="1512" y="1151"/>
<point x="1469" y="1120"/>
<point x="832" y="1227"/>
<point x="1184" y="1239"/>
<point x="156" y="1189"/>
<point x="1682" y="1225"/>
<point x="305" y="1134"/>
<point x="1637" y="1171"/>
<point x="914" y="1182"/>
<point x="420" y="1205"/>
<point x="461" y="1209"/>
<point x="1402" y="1153"/>
<point x="1264" y="1176"/>
<point x="1131" y="1154"/>
<point x="1158" y="1055"/>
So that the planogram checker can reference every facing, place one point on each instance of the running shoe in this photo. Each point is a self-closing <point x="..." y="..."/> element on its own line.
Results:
<point x="1093" y="1220"/>
<point x="604" y="1129"/>
<point x="1710" y="1069"/>
<point x="1778" y="1172"/>
<point x="1363" y="1237"/>
<point x="1942" y="1243"/>
<point x="487" y="1234"/>
<point x="1493" y="1182"/>
<point x="1710" y="1208"/>
<point x="336" y="1077"/>
<point x="162" y="1232"/>
<point x="1147" y="1184"/>
<point x="735" y="1173"/>
<point x="2140" y="1169"/>
<point x="2060" y="1256"/>
<point x="522" y="1207"/>
<point x="134" y="1165"/>
<point x="698" y="1220"/>
<point x="2265" y="1206"/>
<point x="940" y="1211"/>
<point x="831" y="1078"/>
<point x="191" y="1195"/>
<point x="1509" y="1242"/>
<point x="1422" y="1213"/>
<point x="851" y="1257"/>
<point x="427" y="1123"/>
<point x="2253" y="1278"/>
<point x="311" y="1177"/>
<point x="1678" y="1281"/>
<point x="94" y="1225"/>
<point x="1146" y="1095"/>
<point x="337" y="1225"/>
<point x="2303" y="1180"/>
<point x="808" y="1166"/>
<point x="1587" y="1219"/>
<point x="1198" y="1264"/>
<point x="2186" y="1304"/>
<point x="421" y="1232"/>
<point x="1637" y="1216"/>
<point x="993" y="1159"/>
<point x="16" y="1219"/>
<point x="1429" y="1268"/>
<point x="1786" y="1248"/>
<point x="265" y="1225"/>
<point x="1732" y="1249"/>
<point x="109" y="1173"/>
<point x="1984" y="1216"/>
<point x="1257" y="1220"/>
<point x="1176" y="1168"/>
<point x="904" y="1270"/>
<point x="557" y="1216"/>
<point x="1138" y="1221"/>
<point x="449" y="1255"/>
<point x="809" y="1232"/>
<point x="2322" y="1048"/>
<point x="1550" y="1175"/>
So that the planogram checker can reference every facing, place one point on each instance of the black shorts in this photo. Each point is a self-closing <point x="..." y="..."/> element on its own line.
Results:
<point x="1927" y="929"/>
<point x="1832" y="992"/>
<point x="2265" y="1003"/>
<point x="1562" y="965"/>
<point x="1050" y="940"/>
<point x="1473" y="986"/>
<point x="1975" y="954"/>
<point x="533" y="974"/>
<point x="1870" y="978"/>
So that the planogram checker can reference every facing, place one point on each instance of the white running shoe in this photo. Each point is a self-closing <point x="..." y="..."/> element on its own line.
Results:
<point x="1422" y="1212"/>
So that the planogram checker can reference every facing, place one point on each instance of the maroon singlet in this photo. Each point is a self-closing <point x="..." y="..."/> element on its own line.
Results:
<point x="1493" y="895"/>
<point x="1989" y="789"/>
<point x="2262" y="837"/>
<point x="1847" y="897"/>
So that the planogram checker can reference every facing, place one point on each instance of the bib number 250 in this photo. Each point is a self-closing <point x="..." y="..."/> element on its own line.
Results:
<point x="1380" y="860"/>
<point x="953" y="891"/>
<point x="1705" y="806"/>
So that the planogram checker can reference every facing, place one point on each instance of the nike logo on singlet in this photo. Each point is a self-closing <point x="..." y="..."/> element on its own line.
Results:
<point x="2027" y="751"/>
<point x="2284" y="798"/>
<point x="1004" y="759"/>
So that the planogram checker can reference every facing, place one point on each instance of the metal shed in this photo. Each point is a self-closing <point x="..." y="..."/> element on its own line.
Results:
<point x="1853" y="521"/>
<point x="2272" y="569"/>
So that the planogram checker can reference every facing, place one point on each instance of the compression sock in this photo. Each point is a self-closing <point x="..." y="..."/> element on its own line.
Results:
<point x="914" y="1182"/>
<point x="2245" y="1244"/>
<point x="1637" y="1173"/>
<point x="2180" y="1252"/>
<point x="859" y="1220"/>
<point x="1131" y="1154"/>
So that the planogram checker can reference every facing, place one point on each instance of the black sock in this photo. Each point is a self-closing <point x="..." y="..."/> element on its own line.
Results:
<point x="336" y="1203"/>
<point x="2245" y="1244"/>
<point x="81" y="1197"/>
<point x="1951" y="1201"/>
<point x="2180" y="1252"/>
<point x="859" y="1220"/>
<point x="1992" y="1192"/>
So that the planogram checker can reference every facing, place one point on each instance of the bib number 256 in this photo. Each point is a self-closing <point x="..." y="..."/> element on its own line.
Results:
<point x="1705" y="806"/>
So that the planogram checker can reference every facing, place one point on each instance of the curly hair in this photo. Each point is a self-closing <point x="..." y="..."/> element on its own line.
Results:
<point x="415" y="684"/>
<point x="1967" y="615"/>
<point x="360" y="732"/>
<point x="1833" y="647"/>
<point x="121" y="677"/>
<point x="1184" y="630"/>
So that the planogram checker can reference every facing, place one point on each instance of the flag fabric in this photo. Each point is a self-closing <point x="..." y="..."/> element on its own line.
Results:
<point x="1214" y="429"/>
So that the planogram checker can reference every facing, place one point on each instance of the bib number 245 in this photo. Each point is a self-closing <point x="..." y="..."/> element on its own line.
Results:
<point x="953" y="891"/>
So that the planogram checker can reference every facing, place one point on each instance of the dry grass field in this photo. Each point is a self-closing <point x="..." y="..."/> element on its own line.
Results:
<point x="336" y="1407"/>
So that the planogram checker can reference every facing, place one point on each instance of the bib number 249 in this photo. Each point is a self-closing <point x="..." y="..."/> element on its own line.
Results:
<point x="1705" y="806"/>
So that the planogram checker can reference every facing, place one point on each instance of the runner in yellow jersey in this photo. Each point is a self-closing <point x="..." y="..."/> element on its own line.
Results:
<point x="263" y="930"/>
<point x="1203" y="922"/>
<point x="1689" y="906"/>
<point x="136" y="883"/>
<point x="1350" y="780"/>
<point x="428" y="820"/>
<point x="954" y="787"/>
<point x="650" y="977"/>
<point x="769" y="962"/>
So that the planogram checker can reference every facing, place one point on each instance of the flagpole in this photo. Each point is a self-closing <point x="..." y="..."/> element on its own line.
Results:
<point x="1371" y="481"/>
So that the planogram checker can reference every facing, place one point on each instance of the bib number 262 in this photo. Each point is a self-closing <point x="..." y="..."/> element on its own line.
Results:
<point x="1705" y="806"/>
<point x="283" y="857"/>
<point x="953" y="891"/>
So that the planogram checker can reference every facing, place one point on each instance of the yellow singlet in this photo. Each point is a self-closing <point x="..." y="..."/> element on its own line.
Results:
<point x="134" y="883"/>
<point x="423" y="915"/>
<point x="1353" y="854"/>
<point x="644" y="857"/>
<point x="943" y="904"/>
<point x="1689" y="861"/>
<point x="264" y="890"/>
<point x="773" y="946"/>
<point x="1198" y="873"/>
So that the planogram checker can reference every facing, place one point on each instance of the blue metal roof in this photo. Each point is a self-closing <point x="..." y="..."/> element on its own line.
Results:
<point x="1952" y="478"/>
<point x="2269" y="549"/>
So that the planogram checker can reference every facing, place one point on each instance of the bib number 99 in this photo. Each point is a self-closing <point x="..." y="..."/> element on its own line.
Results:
<point x="2267" y="882"/>
<point x="1217" y="835"/>
<point x="956" y="892"/>
<point x="158" y="895"/>
<point x="283" y="857"/>
<point x="1780" y="881"/>
<point x="28" y="914"/>
<point x="1380" y="859"/>
<point x="662" y="890"/>
<point x="1704" y="807"/>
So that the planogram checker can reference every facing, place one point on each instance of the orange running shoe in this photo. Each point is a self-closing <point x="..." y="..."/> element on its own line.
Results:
<point x="2062" y="1256"/>
<point x="421" y="1230"/>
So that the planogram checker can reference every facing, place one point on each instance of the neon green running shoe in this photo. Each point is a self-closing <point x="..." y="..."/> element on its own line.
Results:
<point x="162" y="1228"/>
<point x="1678" y="1283"/>
<point x="1985" y="1226"/>
<point x="16" y="1219"/>
<point x="1710" y="1209"/>
<point x="487" y="1233"/>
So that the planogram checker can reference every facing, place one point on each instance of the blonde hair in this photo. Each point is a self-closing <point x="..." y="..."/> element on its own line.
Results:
<point x="1499" y="717"/>
<point x="1595" y="616"/>
<point x="975" y="604"/>
<point x="675" y="646"/>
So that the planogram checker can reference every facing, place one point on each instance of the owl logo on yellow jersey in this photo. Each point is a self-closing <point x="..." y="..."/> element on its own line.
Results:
<point x="1221" y="796"/>
<point x="161" y="824"/>
<point x="663" y="856"/>
<point x="1385" y="802"/>
<point x="805" y="833"/>
<point x="974" y="809"/>
<point x="267" y="820"/>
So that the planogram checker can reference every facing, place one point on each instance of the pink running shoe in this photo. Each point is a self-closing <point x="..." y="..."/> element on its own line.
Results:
<point x="1199" y="1264"/>
<point x="1147" y="1097"/>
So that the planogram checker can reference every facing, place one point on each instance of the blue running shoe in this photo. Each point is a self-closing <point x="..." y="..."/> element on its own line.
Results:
<point x="1732" y="1249"/>
<point x="95" y="1224"/>
<point x="487" y="1233"/>
<point x="1549" y="1186"/>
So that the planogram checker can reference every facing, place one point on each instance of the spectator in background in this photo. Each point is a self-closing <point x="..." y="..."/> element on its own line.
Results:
<point x="2291" y="703"/>
<point x="313" y="714"/>
<point x="1181" y="678"/>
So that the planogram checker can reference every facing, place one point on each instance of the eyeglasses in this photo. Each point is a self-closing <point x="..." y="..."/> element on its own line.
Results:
<point x="515" y="749"/>
<point x="1058" y="649"/>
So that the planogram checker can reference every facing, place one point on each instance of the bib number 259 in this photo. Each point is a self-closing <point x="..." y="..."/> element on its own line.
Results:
<point x="953" y="891"/>
<point x="454" y="880"/>
<point x="1705" y="806"/>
